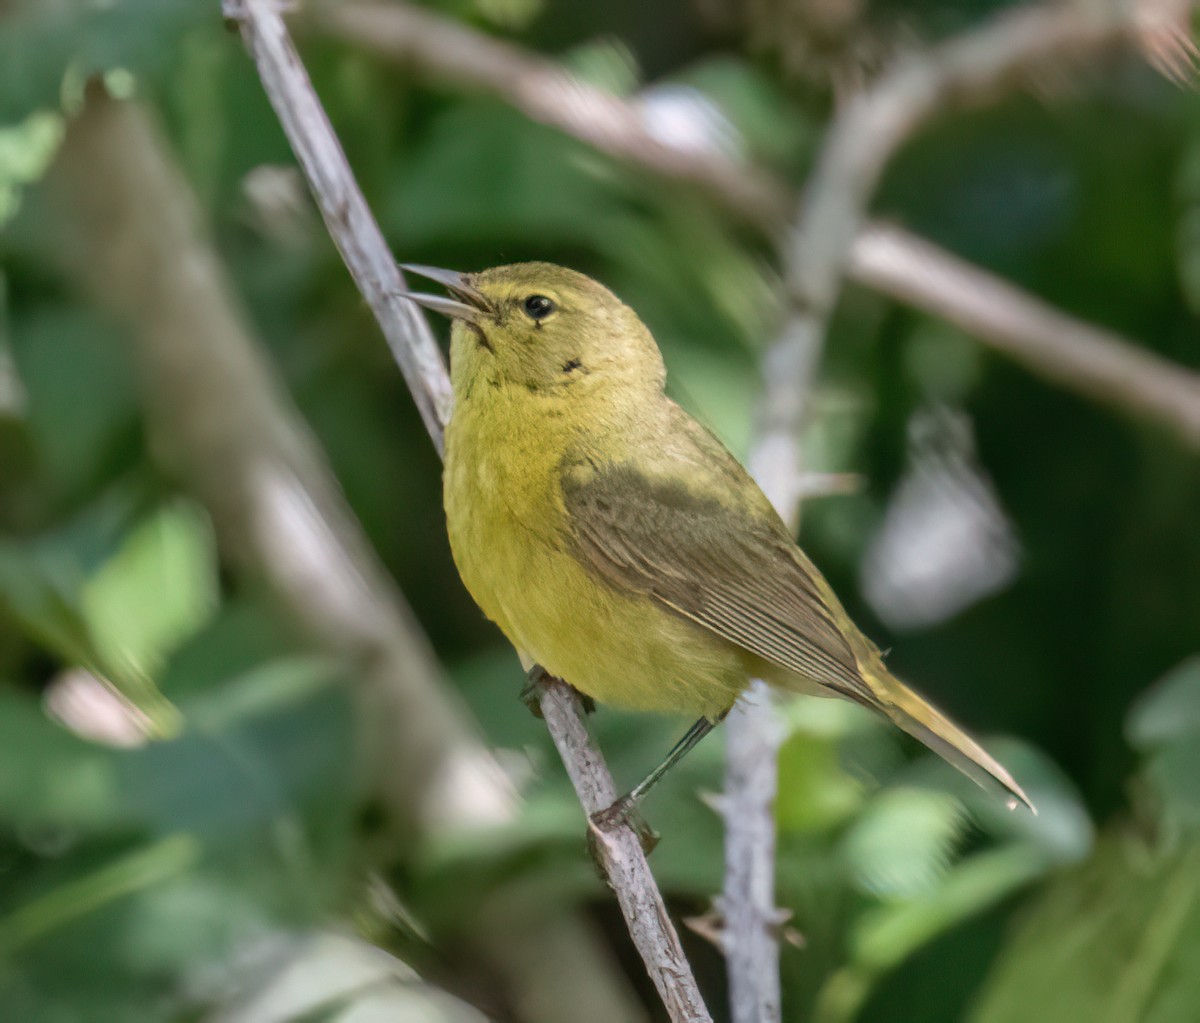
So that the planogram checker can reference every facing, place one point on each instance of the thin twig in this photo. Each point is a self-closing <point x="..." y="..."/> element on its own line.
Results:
<point x="968" y="69"/>
<point x="467" y="59"/>
<point x="1060" y="348"/>
<point x="549" y="94"/>
<point x="346" y="213"/>
<point x="750" y="920"/>
<point x="357" y="236"/>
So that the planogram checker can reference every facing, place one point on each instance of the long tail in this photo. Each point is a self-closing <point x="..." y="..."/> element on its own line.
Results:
<point x="926" y="723"/>
<point x="923" y="721"/>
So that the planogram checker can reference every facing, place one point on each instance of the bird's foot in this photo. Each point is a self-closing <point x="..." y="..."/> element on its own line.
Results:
<point x="623" y="813"/>
<point x="535" y="679"/>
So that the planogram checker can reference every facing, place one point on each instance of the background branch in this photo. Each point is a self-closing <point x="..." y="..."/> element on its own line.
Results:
<point x="1057" y="347"/>
<point x="750" y="920"/>
<point x="221" y="422"/>
<point x="446" y="51"/>
<point x="978" y="65"/>
<point x="373" y="268"/>
<point x="449" y="52"/>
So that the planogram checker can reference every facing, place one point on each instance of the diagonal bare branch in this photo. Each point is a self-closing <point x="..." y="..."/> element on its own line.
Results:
<point x="620" y="853"/>
<point x="1057" y="347"/>
<point x="357" y="235"/>
<point x="345" y="211"/>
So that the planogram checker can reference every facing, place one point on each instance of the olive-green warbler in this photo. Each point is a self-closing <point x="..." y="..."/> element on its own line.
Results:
<point x="615" y="541"/>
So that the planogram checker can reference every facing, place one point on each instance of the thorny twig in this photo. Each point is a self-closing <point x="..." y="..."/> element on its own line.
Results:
<point x="829" y="230"/>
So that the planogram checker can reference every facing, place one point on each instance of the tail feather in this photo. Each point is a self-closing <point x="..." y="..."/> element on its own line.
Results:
<point x="930" y="726"/>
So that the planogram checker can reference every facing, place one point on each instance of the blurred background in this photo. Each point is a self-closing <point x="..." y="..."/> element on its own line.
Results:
<point x="203" y="817"/>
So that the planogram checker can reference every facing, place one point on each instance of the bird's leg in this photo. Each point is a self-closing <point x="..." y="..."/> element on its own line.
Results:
<point x="680" y="750"/>
<point x="535" y="678"/>
<point x="624" y="810"/>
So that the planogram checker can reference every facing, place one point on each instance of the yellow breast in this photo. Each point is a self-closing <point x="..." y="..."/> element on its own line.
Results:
<point x="510" y="538"/>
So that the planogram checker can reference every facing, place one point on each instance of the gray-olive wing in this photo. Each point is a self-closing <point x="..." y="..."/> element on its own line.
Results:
<point x="725" y="564"/>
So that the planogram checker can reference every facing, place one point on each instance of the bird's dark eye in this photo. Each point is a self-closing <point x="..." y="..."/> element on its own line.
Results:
<point x="538" y="307"/>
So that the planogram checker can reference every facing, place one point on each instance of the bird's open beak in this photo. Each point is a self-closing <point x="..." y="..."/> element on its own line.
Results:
<point x="467" y="303"/>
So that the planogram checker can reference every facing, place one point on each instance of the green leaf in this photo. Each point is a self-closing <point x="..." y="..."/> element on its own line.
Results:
<point x="1168" y="711"/>
<point x="39" y="592"/>
<point x="42" y="578"/>
<point x="883" y="937"/>
<point x="902" y="843"/>
<point x="1061" y="828"/>
<point x="815" y="792"/>
<point x="81" y="422"/>
<point x="1115" y="941"/>
<point x="25" y="152"/>
<point x="888" y="935"/>
<point x="126" y="874"/>
<point x="1173" y="772"/>
<point x="155" y="592"/>
<point x="42" y="41"/>
<point x="53" y="780"/>
<point x="533" y="186"/>
<point x="1164" y="725"/>
<point x="114" y="601"/>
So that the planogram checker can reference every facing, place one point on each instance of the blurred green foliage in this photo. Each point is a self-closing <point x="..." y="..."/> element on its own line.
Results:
<point x="181" y="806"/>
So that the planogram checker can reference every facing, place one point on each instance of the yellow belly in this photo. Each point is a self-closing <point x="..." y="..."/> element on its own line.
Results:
<point x="506" y="524"/>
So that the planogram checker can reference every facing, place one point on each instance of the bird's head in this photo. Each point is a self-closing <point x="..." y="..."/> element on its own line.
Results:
<point x="542" y="327"/>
